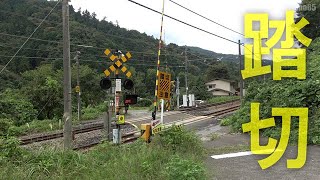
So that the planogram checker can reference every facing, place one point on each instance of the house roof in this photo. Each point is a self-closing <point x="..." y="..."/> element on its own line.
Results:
<point x="220" y="80"/>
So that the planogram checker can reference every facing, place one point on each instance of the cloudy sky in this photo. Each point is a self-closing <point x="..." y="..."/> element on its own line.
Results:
<point x="229" y="13"/>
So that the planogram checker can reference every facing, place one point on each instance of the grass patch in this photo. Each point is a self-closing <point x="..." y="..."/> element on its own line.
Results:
<point x="214" y="136"/>
<point x="219" y="99"/>
<point x="92" y="112"/>
<point x="36" y="126"/>
<point x="168" y="156"/>
<point x="49" y="125"/>
<point x="138" y="108"/>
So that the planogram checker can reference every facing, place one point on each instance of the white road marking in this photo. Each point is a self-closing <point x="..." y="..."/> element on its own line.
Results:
<point x="246" y="153"/>
<point x="239" y="154"/>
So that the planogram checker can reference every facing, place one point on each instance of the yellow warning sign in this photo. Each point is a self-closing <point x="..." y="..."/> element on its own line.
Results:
<point x="77" y="89"/>
<point x="118" y="63"/>
<point x="164" y="86"/>
<point x="121" y="119"/>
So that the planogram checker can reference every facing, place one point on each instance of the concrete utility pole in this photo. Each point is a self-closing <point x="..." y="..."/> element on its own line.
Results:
<point x="186" y="73"/>
<point x="107" y="122"/>
<point x="240" y="67"/>
<point x="178" y="92"/>
<point x="67" y="118"/>
<point x="78" y="85"/>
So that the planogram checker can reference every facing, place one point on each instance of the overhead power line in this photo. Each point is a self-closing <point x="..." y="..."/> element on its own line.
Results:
<point x="242" y="44"/>
<point x="79" y="45"/>
<point x="35" y="30"/>
<point x="72" y="44"/>
<point x="206" y="18"/>
<point x="87" y="60"/>
<point x="184" y="22"/>
<point x="5" y="45"/>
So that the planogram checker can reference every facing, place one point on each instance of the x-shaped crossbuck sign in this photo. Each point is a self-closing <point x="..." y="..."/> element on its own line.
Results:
<point x="118" y="63"/>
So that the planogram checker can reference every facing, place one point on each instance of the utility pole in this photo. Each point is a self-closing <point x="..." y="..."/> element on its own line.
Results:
<point x="107" y="122"/>
<point x="178" y="92"/>
<point x="78" y="85"/>
<point x="186" y="73"/>
<point x="240" y="67"/>
<point x="67" y="118"/>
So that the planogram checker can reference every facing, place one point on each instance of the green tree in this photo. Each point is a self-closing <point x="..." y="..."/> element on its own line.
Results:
<point x="43" y="86"/>
<point x="310" y="9"/>
<point x="217" y="71"/>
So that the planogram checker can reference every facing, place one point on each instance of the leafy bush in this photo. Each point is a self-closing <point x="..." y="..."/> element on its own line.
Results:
<point x="144" y="103"/>
<point x="179" y="139"/>
<point x="218" y="99"/>
<point x="16" y="107"/>
<point x="285" y="93"/>
<point x="93" y="112"/>
<point x="10" y="148"/>
<point x="4" y="126"/>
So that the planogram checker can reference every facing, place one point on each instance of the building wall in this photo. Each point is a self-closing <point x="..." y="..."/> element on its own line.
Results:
<point x="220" y="84"/>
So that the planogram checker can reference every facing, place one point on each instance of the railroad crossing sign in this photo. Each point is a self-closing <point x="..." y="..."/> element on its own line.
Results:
<point x="164" y="87"/>
<point x="118" y="63"/>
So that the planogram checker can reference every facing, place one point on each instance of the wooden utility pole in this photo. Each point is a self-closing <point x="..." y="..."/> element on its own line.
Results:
<point x="240" y="67"/>
<point x="67" y="118"/>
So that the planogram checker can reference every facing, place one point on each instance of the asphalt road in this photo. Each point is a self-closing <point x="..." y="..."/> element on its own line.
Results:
<point x="247" y="167"/>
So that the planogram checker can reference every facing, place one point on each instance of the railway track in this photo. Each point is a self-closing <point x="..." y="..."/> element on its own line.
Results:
<point x="128" y="137"/>
<point x="79" y="129"/>
<point x="204" y="106"/>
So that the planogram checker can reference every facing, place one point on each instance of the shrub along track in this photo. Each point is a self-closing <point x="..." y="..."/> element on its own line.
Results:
<point x="133" y="135"/>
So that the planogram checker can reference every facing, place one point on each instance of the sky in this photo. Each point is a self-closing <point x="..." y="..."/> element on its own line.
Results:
<point x="229" y="13"/>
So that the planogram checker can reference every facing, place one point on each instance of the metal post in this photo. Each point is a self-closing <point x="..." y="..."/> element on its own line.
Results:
<point x="178" y="92"/>
<point x="78" y="85"/>
<point x="186" y="73"/>
<point x="67" y="118"/>
<point x="162" y="107"/>
<point x="240" y="67"/>
<point x="117" y="100"/>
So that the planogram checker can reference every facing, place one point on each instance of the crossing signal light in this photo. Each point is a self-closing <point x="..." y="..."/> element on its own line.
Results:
<point x="128" y="84"/>
<point x="105" y="83"/>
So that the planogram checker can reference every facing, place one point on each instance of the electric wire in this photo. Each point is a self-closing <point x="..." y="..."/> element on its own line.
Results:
<point x="185" y="23"/>
<point x="30" y="36"/>
<point x="206" y="18"/>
